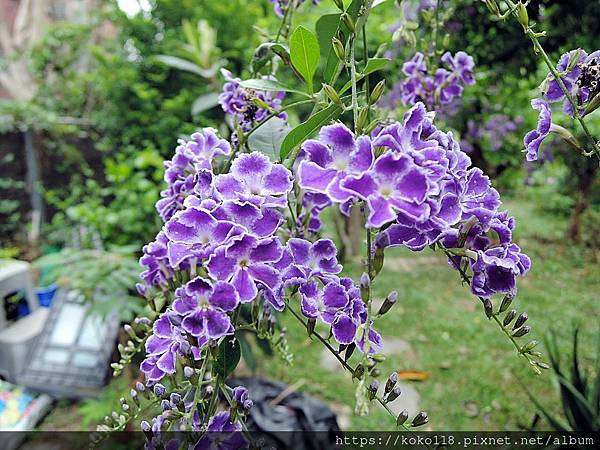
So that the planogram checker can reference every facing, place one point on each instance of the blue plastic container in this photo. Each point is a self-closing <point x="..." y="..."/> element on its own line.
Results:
<point x="46" y="294"/>
<point x="22" y="308"/>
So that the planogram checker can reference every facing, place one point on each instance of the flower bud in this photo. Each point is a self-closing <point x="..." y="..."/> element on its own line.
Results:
<point x="159" y="390"/>
<point x="493" y="7"/>
<point x="310" y="326"/>
<point x="377" y="91"/>
<point x="391" y="382"/>
<point x="420" y="419"/>
<point x="542" y="365"/>
<point x="165" y="405"/>
<point x="529" y="346"/>
<point x="175" y="398"/>
<point x="349" y="350"/>
<point x="373" y="387"/>
<point x="338" y="48"/>
<point x="522" y="15"/>
<point x="261" y="103"/>
<point x="509" y="317"/>
<point x="188" y="372"/>
<point x="365" y="284"/>
<point x="359" y="371"/>
<point x="134" y="395"/>
<point x="389" y="301"/>
<point x="141" y="289"/>
<point x="488" y="307"/>
<point x="520" y="320"/>
<point x="349" y="22"/>
<point x="146" y="428"/>
<point x="332" y="94"/>
<point x="521" y="331"/>
<point x="142" y="321"/>
<point x="378" y="260"/>
<point x="506" y="301"/>
<point x="394" y="394"/>
<point x="402" y="417"/>
<point x="140" y="387"/>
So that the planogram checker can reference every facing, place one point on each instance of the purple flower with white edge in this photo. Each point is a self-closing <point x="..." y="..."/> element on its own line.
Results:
<point x="534" y="138"/>
<point x="303" y="260"/>
<point x="164" y="345"/>
<point x="331" y="305"/>
<point x="395" y="185"/>
<point x="241" y="396"/>
<point x="247" y="263"/>
<point x="256" y="179"/>
<point x="155" y="259"/>
<point x="281" y="5"/>
<point x="236" y="101"/>
<point x="193" y="234"/>
<point x="461" y="64"/>
<point x="223" y="434"/>
<point x="333" y="157"/>
<point x="496" y="270"/>
<point x="204" y="306"/>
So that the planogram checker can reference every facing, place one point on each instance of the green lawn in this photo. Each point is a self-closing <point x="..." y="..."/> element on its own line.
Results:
<point x="473" y="369"/>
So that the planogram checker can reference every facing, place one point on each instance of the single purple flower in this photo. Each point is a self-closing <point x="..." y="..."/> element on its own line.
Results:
<point x="334" y="156"/>
<point x="534" y="138"/>
<point x="247" y="263"/>
<point x="396" y="185"/>
<point x="496" y="270"/>
<point x="302" y="260"/>
<point x="241" y="396"/>
<point x="204" y="306"/>
<point x="255" y="179"/>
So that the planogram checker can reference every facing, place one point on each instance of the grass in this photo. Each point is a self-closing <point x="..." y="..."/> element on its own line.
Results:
<point x="473" y="368"/>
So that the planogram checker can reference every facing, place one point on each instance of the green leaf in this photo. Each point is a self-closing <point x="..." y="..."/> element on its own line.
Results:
<point x="305" y="129"/>
<point x="326" y="28"/>
<point x="305" y="53"/>
<point x="183" y="64"/>
<point x="332" y="64"/>
<point x="247" y="352"/>
<point x="205" y="102"/>
<point x="269" y="85"/>
<point x="268" y="138"/>
<point x="228" y="357"/>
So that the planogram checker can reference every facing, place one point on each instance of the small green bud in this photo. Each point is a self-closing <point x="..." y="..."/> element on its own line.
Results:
<point x="378" y="260"/>
<point x="529" y="346"/>
<point x="261" y="103"/>
<point x="332" y="94"/>
<point x="378" y="357"/>
<point x="509" y="317"/>
<point x="349" y="22"/>
<point x="359" y="371"/>
<point x="338" y="48"/>
<point x="377" y="91"/>
<point x="522" y="15"/>
<point x="506" y="301"/>
<point x="402" y="417"/>
<point x="363" y="116"/>
<point x="493" y="7"/>
<point x="521" y="331"/>
<point x="542" y="365"/>
<point x="446" y="41"/>
<point x="365" y="284"/>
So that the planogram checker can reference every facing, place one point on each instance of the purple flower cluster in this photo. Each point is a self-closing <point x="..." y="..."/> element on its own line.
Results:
<point x="580" y="75"/>
<point x="221" y="235"/>
<point x="493" y="132"/>
<point x="418" y="189"/>
<point x="240" y="103"/>
<point x="281" y="6"/>
<point x="437" y="87"/>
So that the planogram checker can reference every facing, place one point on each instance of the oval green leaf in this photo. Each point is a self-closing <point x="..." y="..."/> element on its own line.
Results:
<point x="305" y="53"/>
<point x="228" y="357"/>
<point x="305" y="129"/>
